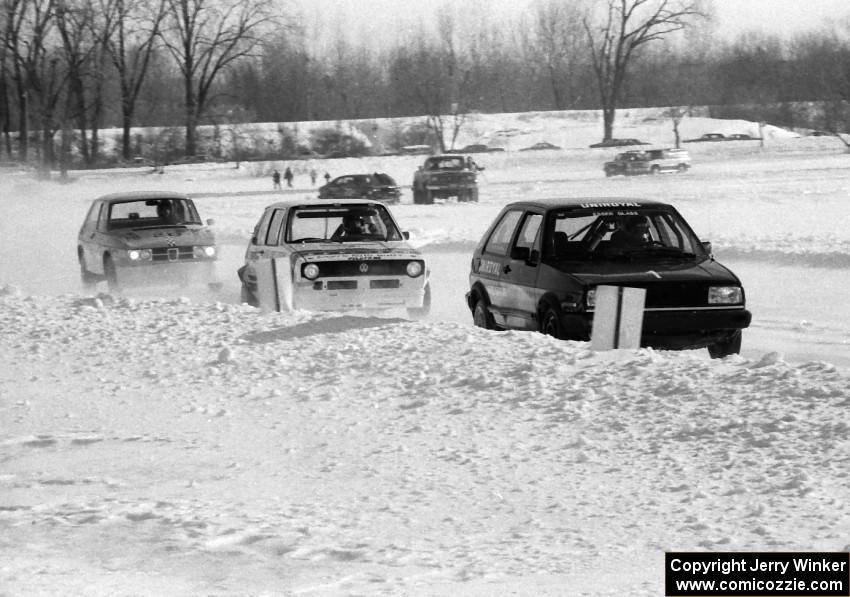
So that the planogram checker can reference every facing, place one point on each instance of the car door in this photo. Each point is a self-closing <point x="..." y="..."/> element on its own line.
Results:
<point x="519" y="274"/>
<point x="494" y="257"/>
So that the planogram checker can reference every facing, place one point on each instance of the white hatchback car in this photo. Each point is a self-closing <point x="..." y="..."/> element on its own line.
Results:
<point x="344" y="255"/>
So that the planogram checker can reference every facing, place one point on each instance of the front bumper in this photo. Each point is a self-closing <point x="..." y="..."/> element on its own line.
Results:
<point x="673" y="329"/>
<point x="167" y="273"/>
<point x="346" y="294"/>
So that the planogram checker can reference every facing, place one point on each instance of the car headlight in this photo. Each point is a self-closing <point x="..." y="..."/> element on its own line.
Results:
<point x="205" y="251"/>
<point x="414" y="268"/>
<point x="139" y="254"/>
<point x="590" y="298"/>
<point x="310" y="271"/>
<point x="725" y="295"/>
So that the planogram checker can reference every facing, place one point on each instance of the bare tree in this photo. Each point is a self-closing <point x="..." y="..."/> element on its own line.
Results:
<point x="129" y="30"/>
<point x="205" y="37"/>
<point x="558" y="45"/>
<point x="624" y="27"/>
<point x="39" y="70"/>
<point x="73" y="22"/>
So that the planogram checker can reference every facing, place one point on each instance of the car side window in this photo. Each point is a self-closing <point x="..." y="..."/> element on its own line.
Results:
<point x="273" y="234"/>
<point x="500" y="239"/>
<point x="528" y="231"/>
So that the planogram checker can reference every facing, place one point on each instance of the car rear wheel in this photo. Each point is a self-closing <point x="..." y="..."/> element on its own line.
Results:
<point x="655" y="170"/>
<point x="729" y="346"/>
<point x="550" y="323"/>
<point x="481" y="316"/>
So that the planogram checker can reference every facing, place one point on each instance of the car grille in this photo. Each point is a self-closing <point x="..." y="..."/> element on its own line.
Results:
<point x="675" y="294"/>
<point x="342" y="285"/>
<point x="338" y="269"/>
<point x="172" y="253"/>
<point x="384" y="284"/>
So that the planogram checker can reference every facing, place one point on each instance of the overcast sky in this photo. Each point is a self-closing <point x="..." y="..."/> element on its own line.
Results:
<point x="386" y="20"/>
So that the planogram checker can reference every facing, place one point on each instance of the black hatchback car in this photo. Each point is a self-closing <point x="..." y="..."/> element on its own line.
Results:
<point x="379" y="186"/>
<point x="538" y="265"/>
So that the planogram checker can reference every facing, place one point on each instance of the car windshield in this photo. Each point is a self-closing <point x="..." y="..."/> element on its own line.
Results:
<point x="619" y="234"/>
<point x="349" y="223"/>
<point x="142" y="213"/>
<point x="446" y="163"/>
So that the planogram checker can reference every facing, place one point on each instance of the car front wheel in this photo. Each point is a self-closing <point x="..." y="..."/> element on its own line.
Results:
<point x="481" y="316"/>
<point x="422" y="312"/>
<point x="724" y="348"/>
<point x="550" y="323"/>
<point x="88" y="279"/>
<point x="110" y="272"/>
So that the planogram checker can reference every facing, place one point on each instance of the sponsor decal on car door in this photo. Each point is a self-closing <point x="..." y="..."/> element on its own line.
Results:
<point x="494" y="258"/>
<point x="519" y="274"/>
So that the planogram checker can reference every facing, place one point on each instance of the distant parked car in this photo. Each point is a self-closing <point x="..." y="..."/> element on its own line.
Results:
<point x="741" y="137"/>
<point x="618" y="143"/>
<point x="339" y="255"/>
<point x="539" y="264"/>
<point x="539" y="146"/>
<point x="476" y="148"/>
<point x="707" y="137"/>
<point x="146" y="238"/>
<point x="378" y="185"/>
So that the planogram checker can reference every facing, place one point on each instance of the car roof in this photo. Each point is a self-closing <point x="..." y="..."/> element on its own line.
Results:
<point x="139" y="196"/>
<point x="602" y="202"/>
<point x="320" y="203"/>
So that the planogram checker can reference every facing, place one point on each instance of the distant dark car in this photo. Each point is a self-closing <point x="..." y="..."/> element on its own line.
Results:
<point x="146" y="238"/>
<point x="539" y="146"/>
<point x="618" y="143"/>
<point x="741" y="137"/>
<point x="539" y="264"/>
<point x="707" y="137"/>
<point x="652" y="161"/>
<point x="378" y="186"/>
<point x="476" y="148"/>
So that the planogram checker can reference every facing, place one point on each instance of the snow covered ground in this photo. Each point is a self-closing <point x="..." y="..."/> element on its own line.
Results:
<point x="158" y="444"/>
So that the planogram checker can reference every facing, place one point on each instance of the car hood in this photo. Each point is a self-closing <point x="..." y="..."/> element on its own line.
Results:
<point x="146" y="238"/>
<point x="640" y="274"/>
<point x="357" y="251"/>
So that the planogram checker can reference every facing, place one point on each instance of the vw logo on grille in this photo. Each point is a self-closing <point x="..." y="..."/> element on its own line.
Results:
<point x="364" y="267"/>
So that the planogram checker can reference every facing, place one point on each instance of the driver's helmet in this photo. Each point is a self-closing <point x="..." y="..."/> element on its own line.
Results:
<point x="355" y="222"/>
<point x="638" y="227"/>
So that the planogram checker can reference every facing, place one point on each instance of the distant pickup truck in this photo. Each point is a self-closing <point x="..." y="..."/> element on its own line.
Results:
<point x="443" y="176"/>
<point x="651" y="161"/>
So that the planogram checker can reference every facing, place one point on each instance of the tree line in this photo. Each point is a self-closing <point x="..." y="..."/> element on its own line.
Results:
<point x="69" y="68"/>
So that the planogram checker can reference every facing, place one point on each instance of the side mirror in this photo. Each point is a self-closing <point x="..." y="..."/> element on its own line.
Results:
<point x="520" y="253"/>
<point x="210" y="222"/>
<point x="405" y="235"/>
<point x="706" y="245"/>
<point x="253" y="240"/>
